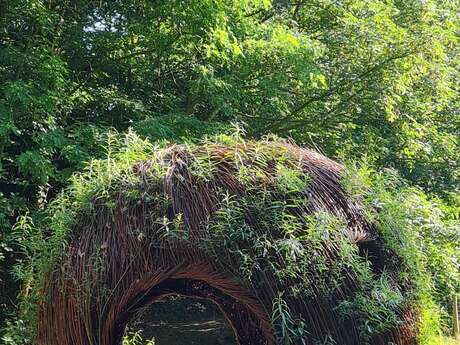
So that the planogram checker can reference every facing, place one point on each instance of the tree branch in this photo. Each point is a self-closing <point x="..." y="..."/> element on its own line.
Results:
<point x="331" y="91"/>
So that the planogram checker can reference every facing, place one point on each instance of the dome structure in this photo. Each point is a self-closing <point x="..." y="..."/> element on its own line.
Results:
<point x="264" y="229"/>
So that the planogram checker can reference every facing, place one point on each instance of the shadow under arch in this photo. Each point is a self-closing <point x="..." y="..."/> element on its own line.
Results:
<point x="107" y="321"/>
<point x="243" y="320"/>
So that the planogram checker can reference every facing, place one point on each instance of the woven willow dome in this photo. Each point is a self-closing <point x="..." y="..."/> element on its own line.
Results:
<point x="263" y="229"/>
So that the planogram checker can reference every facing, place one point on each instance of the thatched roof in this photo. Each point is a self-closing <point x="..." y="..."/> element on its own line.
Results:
<point x="264" y="229"/>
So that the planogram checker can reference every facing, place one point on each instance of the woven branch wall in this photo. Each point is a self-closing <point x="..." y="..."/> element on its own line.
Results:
<point x="264" y="229"/>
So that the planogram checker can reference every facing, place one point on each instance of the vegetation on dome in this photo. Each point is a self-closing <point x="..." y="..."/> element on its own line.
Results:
<point x="90" y="89"/>
<point x="332" y="255"/>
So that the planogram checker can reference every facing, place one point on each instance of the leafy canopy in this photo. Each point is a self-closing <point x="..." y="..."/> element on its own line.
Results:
<point x="352" y="77"/>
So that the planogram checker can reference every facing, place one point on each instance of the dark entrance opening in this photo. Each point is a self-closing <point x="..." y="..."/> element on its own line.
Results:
<point x="233" y="323"/>
<point x="182" y="320"/>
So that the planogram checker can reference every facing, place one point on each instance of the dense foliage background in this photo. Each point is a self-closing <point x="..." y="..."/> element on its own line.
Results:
<point x="357" y="79"/>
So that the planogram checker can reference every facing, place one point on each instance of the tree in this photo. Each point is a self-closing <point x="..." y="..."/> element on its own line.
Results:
<point x="352" y="77"/>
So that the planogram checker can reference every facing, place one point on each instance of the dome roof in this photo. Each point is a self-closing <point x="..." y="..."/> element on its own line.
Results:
<point x="265" y="229"/>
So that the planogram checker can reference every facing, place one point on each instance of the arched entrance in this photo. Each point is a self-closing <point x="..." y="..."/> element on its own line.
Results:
<point x="244" y="319"/>
<point x="180" y="320"/>
<point x="107" y="321"/>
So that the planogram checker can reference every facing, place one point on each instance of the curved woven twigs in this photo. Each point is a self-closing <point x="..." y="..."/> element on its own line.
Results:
<point x="126" y="255"/>
<point x="246" y="317"/>
<point x="80" y="317"/>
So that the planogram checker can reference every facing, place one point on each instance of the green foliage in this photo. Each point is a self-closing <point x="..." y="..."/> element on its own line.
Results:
<point x="375" y="78"/>
<point x="392" y="91"/>
<point x="16" y="333"/>
<point x="135" y="338"/>
<point x="420" y="231"/>
<point x="289" y="329"/>
<point x="259" y="232"/>
<point x="290" y="180"/>
<point x="376" y="305"/>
